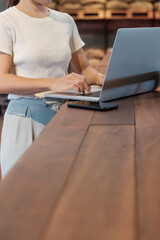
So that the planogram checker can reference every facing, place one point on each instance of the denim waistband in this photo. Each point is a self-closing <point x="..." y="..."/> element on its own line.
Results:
<point x="45" y="100"/>
<point x="39" y="110"/>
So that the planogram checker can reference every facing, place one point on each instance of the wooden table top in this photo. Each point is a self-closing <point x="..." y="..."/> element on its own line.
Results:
<point x="89" y="176"/>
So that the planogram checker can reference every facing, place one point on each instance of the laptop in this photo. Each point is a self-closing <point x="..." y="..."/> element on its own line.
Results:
<point x="133" y="67"/>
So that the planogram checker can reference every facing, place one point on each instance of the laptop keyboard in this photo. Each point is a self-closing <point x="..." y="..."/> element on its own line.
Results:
<point x="93" y="94"/>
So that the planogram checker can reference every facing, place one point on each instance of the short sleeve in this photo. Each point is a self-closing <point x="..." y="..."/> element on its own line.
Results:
<point x="5" y="40"/>
<point x="76" y="42"/>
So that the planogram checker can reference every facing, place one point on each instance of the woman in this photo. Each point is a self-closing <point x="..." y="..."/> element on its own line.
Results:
<point x="36" y="46"/>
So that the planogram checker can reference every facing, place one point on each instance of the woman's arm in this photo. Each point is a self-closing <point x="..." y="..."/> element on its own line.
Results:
<point x="80" y="64"/>
<point x="10" y="83"/>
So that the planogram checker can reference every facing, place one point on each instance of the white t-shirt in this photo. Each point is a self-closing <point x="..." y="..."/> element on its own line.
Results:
<point x="41" y="47"/>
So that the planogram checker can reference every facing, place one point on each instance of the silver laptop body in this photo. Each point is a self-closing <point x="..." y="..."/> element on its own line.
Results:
<point x="133" y="67"/>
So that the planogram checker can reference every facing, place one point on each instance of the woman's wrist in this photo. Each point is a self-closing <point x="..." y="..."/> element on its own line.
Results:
<point x="50" y="83"/>
<point x="99" y="78"/>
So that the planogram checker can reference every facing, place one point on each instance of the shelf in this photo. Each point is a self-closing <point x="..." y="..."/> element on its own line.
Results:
<point x="128" y="14"/>
<point x="86" y="14"/>
<point x="110" y="14"/>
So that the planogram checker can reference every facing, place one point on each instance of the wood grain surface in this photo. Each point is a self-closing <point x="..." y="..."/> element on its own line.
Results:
<point x="32" y="188"/>
<point x="124" y="114"/>
<point x="147" y="115"/>
<point x="98" y="201"/>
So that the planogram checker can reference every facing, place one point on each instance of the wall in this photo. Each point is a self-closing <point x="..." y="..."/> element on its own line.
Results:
<point x="2" y="5"/>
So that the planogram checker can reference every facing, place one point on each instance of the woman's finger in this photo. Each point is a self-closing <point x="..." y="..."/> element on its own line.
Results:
<point x="87" y="87"/>
<point x="76" y="88"/>
<point x="80" y="85"/>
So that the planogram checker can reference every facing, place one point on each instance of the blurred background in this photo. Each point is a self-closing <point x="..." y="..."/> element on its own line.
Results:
<point x="98" y="20"/>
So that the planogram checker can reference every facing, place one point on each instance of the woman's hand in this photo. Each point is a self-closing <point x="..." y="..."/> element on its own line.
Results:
<point x="71" y="81"/>
<point x="80" y="64"/>
<point x="99" y="78"/>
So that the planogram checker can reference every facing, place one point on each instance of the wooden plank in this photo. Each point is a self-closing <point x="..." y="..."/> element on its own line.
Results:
<point x="128" y="14"/>
<point x="147" y="113"/>
<point x="124" y="114"/>
<point x="1" y="123"/>
<point x="98" y="201"/>
<point x="33" y="186"/>
<point x="93" y="14"/>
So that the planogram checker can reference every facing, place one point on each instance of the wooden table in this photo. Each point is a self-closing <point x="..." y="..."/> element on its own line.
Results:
<point x="88" y="176"/>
